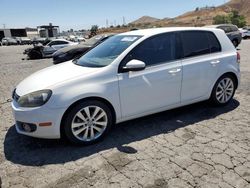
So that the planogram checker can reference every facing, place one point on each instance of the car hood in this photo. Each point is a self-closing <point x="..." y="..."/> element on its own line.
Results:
<point x="51" y="76"/>
<point x="74" y="47"/>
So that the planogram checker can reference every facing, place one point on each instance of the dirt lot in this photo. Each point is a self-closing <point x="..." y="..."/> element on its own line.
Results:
<point x="194" y="146"/>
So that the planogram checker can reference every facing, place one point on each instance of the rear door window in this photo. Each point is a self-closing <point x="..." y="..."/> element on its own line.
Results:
<point x="194" y="43"/>
<point x="234" y="28"/>
<point x="226" y="29"/>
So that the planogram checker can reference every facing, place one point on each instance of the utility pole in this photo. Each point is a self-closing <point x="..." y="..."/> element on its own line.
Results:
<point x="107" y="23"/>
<point x="123" y="20"/>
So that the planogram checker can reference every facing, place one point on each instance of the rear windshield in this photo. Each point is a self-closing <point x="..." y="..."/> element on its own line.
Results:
<point x="105" y="53"/>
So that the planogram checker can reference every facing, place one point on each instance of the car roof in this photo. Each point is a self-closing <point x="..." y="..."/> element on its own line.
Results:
<point x="155" y="31"/>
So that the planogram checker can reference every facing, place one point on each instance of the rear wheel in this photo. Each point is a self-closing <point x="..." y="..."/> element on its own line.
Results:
<point x="35" y="54"/>
<point x="223" y="90"/>
<point x="87" y="122"/>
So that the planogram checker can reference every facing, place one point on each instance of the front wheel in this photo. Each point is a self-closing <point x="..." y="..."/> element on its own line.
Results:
<point x="223" y="90"/>
<point x="87" y="122"/>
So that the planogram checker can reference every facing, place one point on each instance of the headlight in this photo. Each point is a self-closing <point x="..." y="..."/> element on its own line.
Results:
<point x="35" y="99"/>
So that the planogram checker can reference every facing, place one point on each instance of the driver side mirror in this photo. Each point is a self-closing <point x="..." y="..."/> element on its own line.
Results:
<point x="134" y="65"/>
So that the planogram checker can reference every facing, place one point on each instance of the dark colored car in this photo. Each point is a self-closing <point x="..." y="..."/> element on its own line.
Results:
<point x="232" y="31"/>
<point x="72" y="52"/>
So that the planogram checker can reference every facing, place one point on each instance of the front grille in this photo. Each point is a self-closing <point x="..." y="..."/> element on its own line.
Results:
<point x="15" y="96"/>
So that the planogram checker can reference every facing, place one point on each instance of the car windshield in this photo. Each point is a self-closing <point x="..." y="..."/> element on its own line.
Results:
<point x="105" y="53"/>
<point x="93" y="40"/>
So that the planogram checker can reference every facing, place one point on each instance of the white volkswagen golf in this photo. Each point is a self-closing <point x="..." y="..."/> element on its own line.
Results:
<point x="130" y="75"/>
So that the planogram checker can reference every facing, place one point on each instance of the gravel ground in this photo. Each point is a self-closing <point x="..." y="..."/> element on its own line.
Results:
<point x="193" y="146"/>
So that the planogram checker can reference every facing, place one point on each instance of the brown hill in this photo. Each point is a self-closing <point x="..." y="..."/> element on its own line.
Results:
<point x="144" y="19"/>
<point x="202" y="16"/>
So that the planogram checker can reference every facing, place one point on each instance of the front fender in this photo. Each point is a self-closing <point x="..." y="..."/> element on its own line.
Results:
<point x="64" y="97"/>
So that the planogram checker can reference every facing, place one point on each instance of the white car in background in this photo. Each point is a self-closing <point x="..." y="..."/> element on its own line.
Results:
<point x="55" y="45"/>
<point x="9" y="41"/>
<point x="245" y="33"/>
<point x="129" y="75"/>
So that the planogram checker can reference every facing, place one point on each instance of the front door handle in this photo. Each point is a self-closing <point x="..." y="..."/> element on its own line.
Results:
<point x="215" y="62"/>
<point x="173" y="71"/>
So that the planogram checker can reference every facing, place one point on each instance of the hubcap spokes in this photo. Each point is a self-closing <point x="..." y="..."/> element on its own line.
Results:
<point x="224" y="90"/>
<point x="89" y="123"/>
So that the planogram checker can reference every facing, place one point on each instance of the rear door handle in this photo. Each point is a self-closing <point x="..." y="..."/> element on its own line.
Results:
<point x="215" y="62"/>
<point x="173" y="71"/>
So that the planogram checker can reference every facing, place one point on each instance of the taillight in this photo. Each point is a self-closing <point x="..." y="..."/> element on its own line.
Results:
<point x="238" y="57"/>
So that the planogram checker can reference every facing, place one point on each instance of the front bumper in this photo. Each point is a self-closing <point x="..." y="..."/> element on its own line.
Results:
<point x="36" y="116"/>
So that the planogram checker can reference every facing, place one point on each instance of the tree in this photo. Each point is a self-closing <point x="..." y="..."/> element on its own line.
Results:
<point x="233" y="18"/>
<point x="93" y="30"/>
<point x="237" y="19"/>
<point x="221" y="19"/>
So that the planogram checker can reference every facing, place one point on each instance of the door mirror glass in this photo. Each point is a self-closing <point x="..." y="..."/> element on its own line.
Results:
<point x="134" y="65"/>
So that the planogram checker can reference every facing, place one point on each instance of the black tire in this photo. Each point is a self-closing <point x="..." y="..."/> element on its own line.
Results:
<point x="34" y="54"/>
<point x="214" y="99"/>
<point x="71" y="116"/>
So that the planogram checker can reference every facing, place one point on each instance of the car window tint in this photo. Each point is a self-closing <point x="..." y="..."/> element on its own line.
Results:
<point x="155" y="50"/>
<point x="61" y="42"/>
<point x="233" y="28"/>
<point x="195" y="43"/>
<point x="224" y="28"/>
<point x="58" y="42"/>
<point x="228" y="29"/>
<point x="214" y="43"/>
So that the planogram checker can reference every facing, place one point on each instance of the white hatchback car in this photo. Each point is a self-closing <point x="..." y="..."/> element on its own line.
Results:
<point x="130" y="75"/>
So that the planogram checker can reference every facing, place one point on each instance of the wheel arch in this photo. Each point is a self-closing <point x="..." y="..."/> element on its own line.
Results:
<point x="226" y="73"/>
<point x="234" y="77"/>
<point x="100" y="99"/>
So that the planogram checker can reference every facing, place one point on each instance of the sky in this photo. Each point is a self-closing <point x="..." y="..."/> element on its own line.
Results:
<point x="82" y="14"/>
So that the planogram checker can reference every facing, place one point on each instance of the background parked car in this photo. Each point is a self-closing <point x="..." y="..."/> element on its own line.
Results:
<point x="232" y="31"/>
<point x="9" y="41"/>
<point x="41" y="51"/>
<point x="25" y="40"/>
<point x="73" y="52"/>
<point x="245" y="32"/>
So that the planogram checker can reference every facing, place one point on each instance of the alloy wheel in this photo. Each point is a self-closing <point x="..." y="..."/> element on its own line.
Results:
<point x="89" y="123"/>
<point x="225" y="90"/>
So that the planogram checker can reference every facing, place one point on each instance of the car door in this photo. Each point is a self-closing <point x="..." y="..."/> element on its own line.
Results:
<point x="54" y="46"/>
<point x="49" y="48"/>
<point x="157" y="86"/>
<point x="200" y="64"/>
<point x="60" y="44"/>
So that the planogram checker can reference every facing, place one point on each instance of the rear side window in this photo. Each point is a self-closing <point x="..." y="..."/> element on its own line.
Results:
<point x="213" y="42"/>
<point x="194" y="43"/>
<point x="58" y="43"/>
<point x="225" y="28"/>
<point x="155" y="50"/>
<point x="234" y="28"/>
